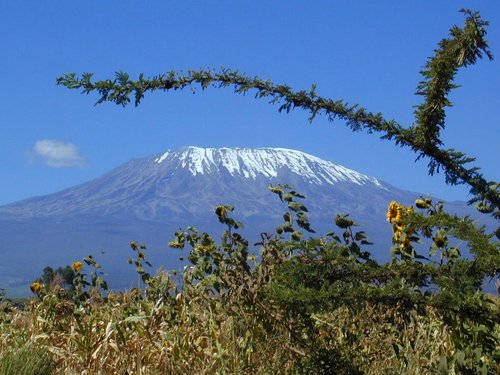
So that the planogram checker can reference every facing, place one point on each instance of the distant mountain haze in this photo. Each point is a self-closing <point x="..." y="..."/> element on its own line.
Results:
<point x="147" y="199"/>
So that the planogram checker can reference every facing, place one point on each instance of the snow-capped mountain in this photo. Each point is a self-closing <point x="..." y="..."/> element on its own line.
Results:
<point x="187" y="181"/>
<point x="148" y="199"/>
<point x="265" y="162"/>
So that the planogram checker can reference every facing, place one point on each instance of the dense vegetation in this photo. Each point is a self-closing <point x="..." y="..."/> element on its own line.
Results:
<point x="315" y="305"/>
<point x="306" y="304"/>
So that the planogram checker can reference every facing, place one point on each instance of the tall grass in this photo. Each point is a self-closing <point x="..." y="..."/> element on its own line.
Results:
<point x="27" y="360"/>
<point x="168" y="332"/>
<point x="315" y="306"/>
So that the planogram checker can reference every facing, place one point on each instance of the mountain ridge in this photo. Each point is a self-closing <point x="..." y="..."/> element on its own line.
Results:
<point x="250" y="162"/>
<point x="148" y="199"/>
<point x="155" y="175"/>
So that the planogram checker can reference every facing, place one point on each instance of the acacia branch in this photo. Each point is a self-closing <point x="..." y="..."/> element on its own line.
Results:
<point x="464" y="48"/>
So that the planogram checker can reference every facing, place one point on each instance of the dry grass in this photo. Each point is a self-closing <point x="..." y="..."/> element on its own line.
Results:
<point x="195" y="332"/>
<point x="191" y="332"/>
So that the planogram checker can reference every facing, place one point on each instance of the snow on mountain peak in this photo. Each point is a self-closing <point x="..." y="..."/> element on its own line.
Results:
<point x="266" y="162"/>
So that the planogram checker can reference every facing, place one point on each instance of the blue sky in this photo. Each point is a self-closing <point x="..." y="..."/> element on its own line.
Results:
<point x="366" y="52"/>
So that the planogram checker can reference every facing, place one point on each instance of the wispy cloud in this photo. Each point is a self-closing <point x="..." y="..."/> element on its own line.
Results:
<point x="57" y="154"/>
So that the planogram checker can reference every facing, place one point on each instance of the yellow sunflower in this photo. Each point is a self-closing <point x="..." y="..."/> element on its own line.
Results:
<point x="36" y="287"/>
<point x="392" y="212"/>
<point x="77" y="266"/>
<point x="406" y="244"/>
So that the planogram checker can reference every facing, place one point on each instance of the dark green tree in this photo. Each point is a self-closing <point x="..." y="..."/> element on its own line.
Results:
<point x="62" y="275"/>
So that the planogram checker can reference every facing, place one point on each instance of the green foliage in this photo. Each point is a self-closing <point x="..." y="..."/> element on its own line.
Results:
<point x="216" y="266"/>
<point x="86" y="290"/>
<point x="63" y="276"/>
<point x="140" y="261"/>
<point x="333" y="274"/>
<point x="306" y="305"/>
<point x="463" y="48"/>
<point x="27" y="361"/>
<point x="320" y="275"/>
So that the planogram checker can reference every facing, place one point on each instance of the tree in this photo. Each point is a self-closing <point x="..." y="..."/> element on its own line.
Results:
<point x="63" y="276"/>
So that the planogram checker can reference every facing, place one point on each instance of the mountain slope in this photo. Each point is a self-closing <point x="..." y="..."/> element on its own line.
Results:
<point x="145" y="188"/>
<point x="148" y="199"/>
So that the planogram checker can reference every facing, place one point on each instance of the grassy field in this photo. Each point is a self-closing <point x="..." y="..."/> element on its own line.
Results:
<point x="160" y="330"/>
<point x="306" y="306"/>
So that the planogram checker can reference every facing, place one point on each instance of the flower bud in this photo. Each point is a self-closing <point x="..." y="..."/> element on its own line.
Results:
<point x="483" y="208"/>
<point x="296" y="236"/>
<point x="343" y="221"/>
<point x="36" y="287"/>
<point x="406" y="244"/>
<point x="440" y="241"/>
<point x="422" y="203"/>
